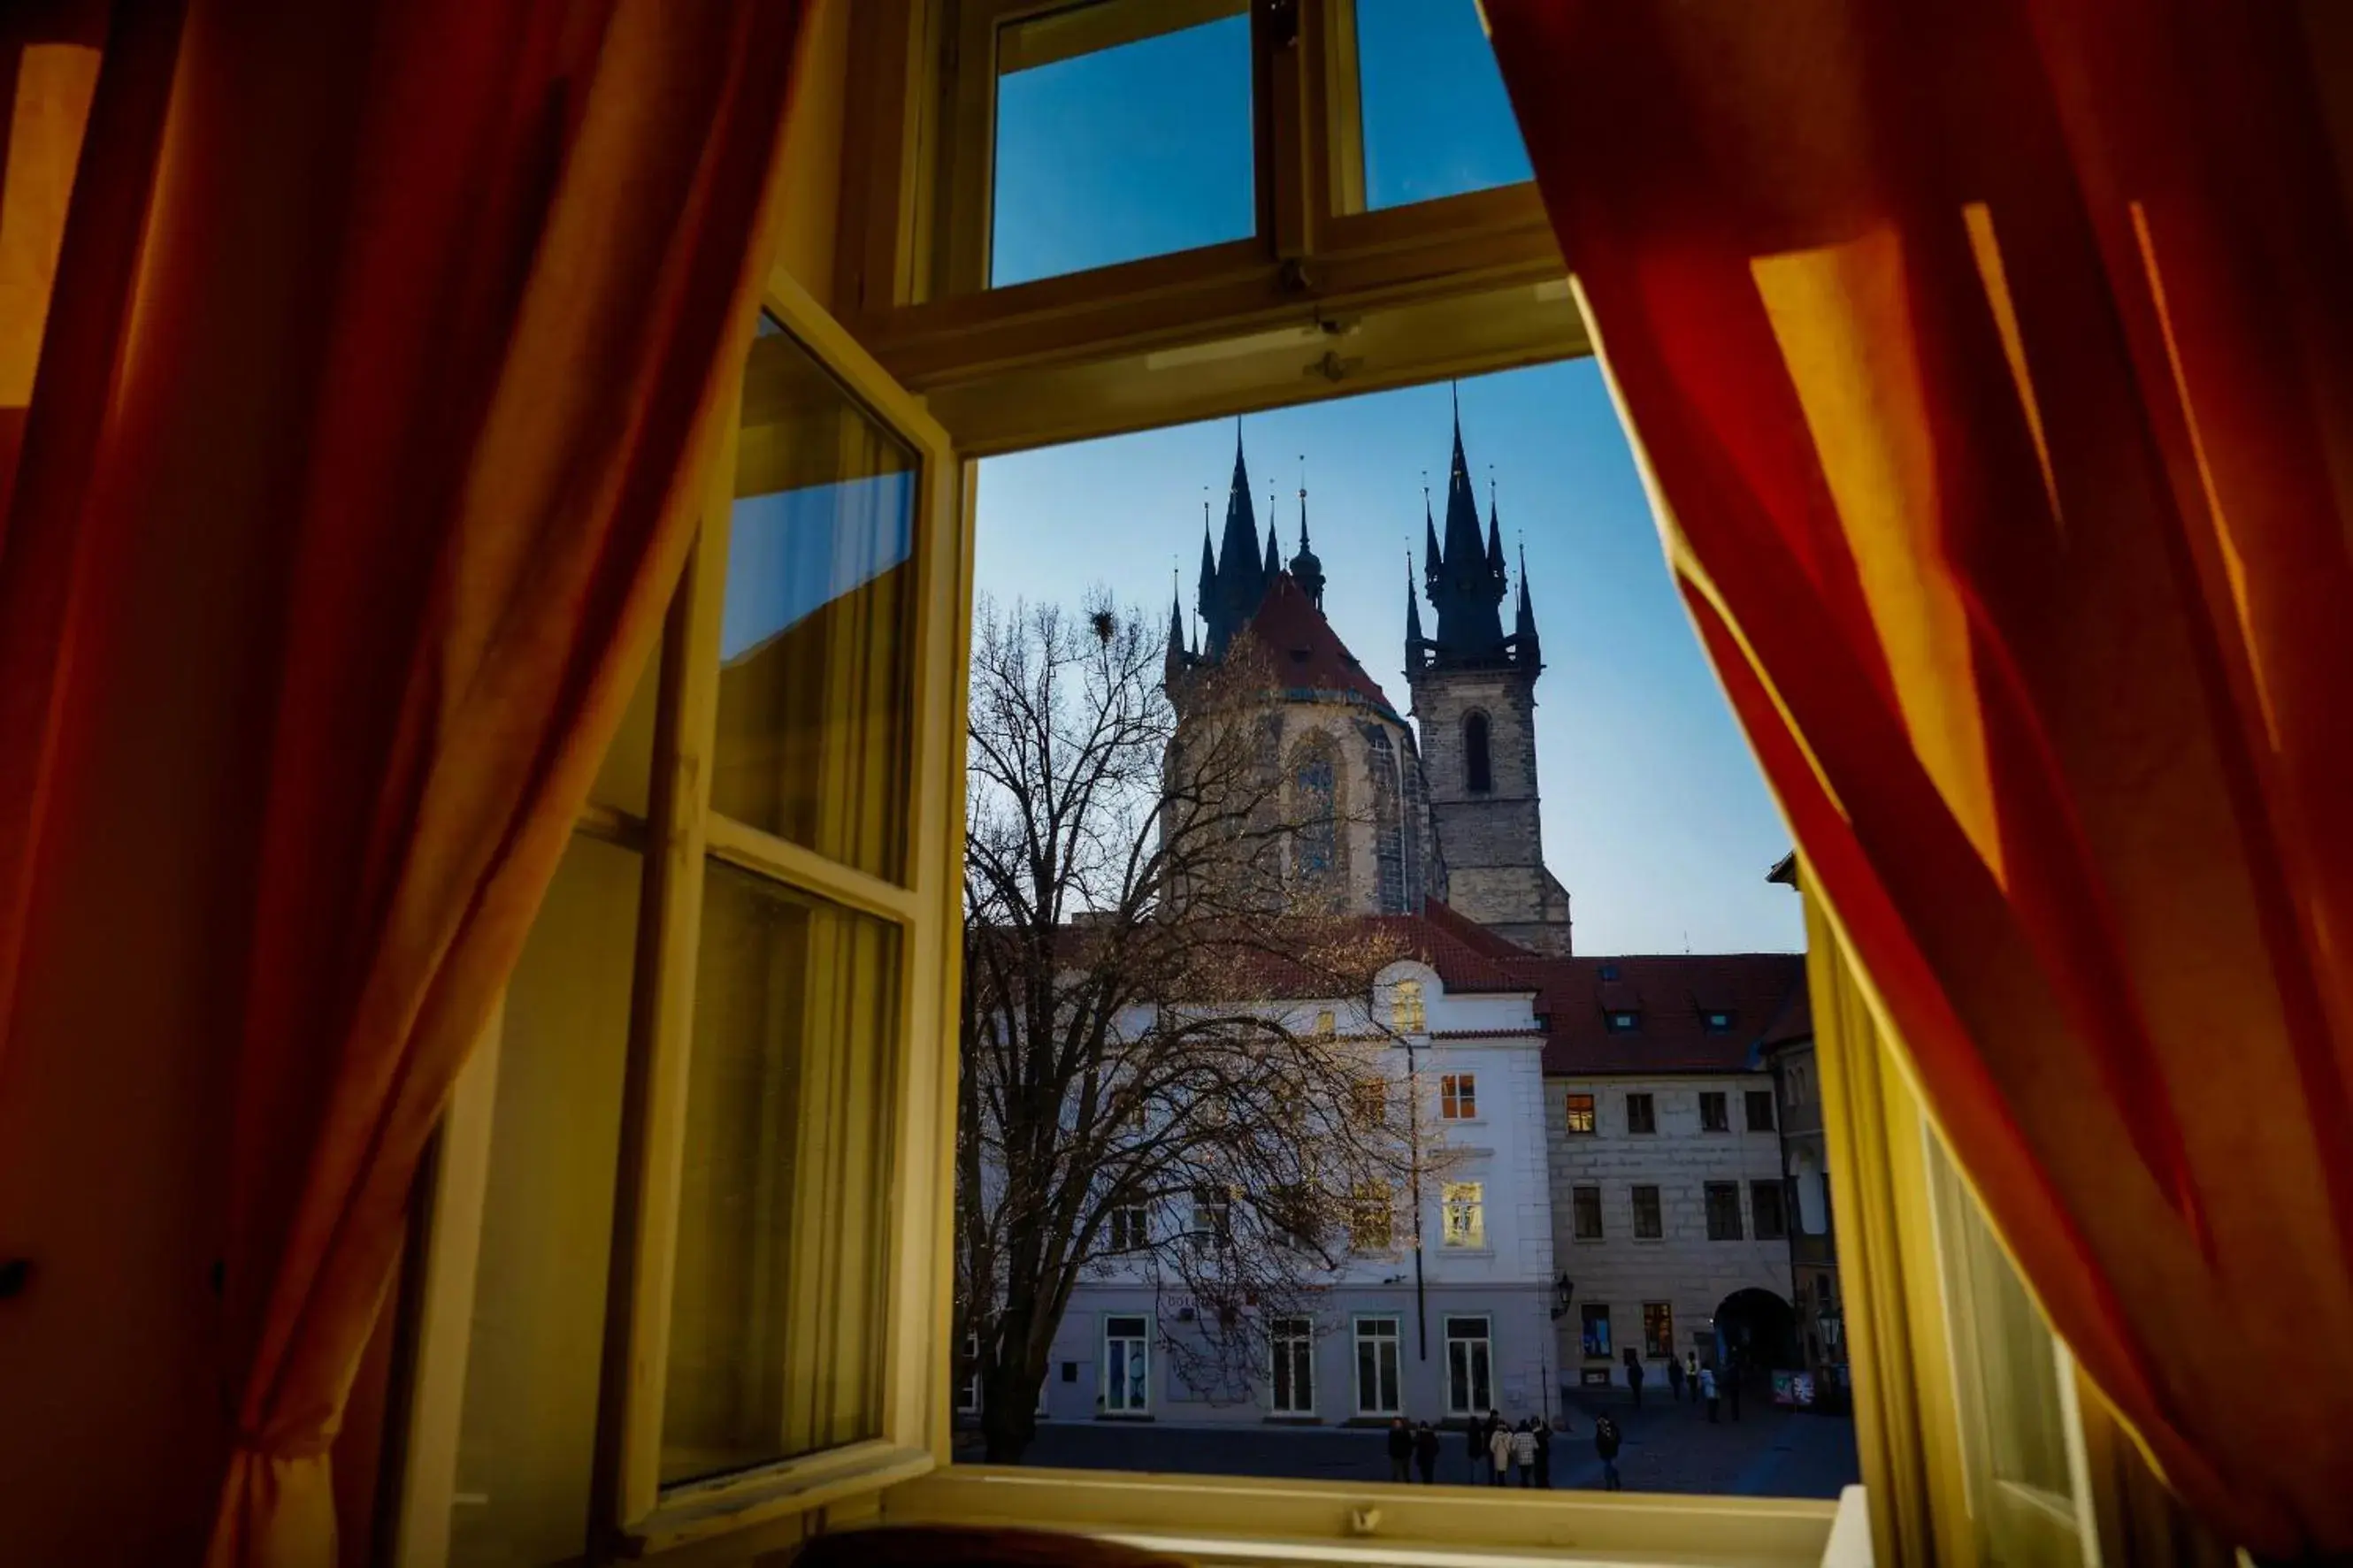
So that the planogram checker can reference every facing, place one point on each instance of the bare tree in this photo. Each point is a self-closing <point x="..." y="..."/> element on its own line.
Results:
<point x="1136" y="1101"/>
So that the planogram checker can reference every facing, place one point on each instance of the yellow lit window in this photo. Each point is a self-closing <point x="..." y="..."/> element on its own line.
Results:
<point x="1458" y="1096"/>
<point x="1406" y="1014"/>
<point x="1464" y="1210"/>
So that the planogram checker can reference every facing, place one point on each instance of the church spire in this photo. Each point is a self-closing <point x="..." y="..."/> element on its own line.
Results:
<point x="1305" y="569"/>
<point x="1205" y="598"/>
<point x="1274" y="551"/>
<point x="1174" y="660"/>
<point x="1433" y="560"/>
<point x="1466" y="583"/>
<point x="1414" y="641"/>
<point x="1494" y="530"/>
<point x="1243" y="572"/>
<point x="1523" y="624"/>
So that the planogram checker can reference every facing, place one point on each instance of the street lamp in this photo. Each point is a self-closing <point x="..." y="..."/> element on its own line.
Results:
<point x="1563" y="1288"/>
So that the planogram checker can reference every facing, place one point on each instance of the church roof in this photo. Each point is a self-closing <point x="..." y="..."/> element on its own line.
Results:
<point x="1670" y="996"/>
<point x="1307" y="653"/>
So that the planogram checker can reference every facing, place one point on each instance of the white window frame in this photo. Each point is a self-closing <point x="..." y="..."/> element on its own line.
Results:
<point x="1136" y="1219"/>
<point x="1476" y="1349"/>
<point x="1457" y="1097"/>
<point x="1142" y="1339"/>
<point x="1394" y="1338"/>
<point x="1408" y="1008"/>
<point x="1290" y="1346"/>
<point x="1468" y="1201"/>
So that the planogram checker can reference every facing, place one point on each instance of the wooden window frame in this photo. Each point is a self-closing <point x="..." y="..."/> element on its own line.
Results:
<point x="1576" y="1196"/>
<point x="1650" y="1103"/>
<point x="1719" y="1101"/>
<point x="1713" y="1196"/>
<point x="1281" y="1339"/>
<point x="1457" y="1097"/>
<point x="632" y="1513"/>
<point x="1470" y="1198"/>
<point x="1591" y="1115"/>
<point x="1658" y="1211"/>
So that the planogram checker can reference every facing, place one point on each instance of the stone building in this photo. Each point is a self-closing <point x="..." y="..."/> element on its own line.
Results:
<point x="1670" y="1214"/>
<point x="1813" y="1241"/>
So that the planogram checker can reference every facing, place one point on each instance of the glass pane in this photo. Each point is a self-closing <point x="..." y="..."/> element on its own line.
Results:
<point x="2002" y="1347"/>
<point x="1436" y="120"/>
<point x="1121" y="133"/>
<point x="815" y="643"/>
<point x="624" y="778"/>
<point x="529" y="1421"/>
<point x="777" y="1306"/>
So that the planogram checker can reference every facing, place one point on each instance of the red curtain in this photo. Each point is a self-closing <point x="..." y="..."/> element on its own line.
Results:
<point x="480" y="271"/>
<point x="1993" y="364"/>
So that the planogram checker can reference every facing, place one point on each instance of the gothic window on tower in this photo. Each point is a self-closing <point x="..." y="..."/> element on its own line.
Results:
<point x="1317" y="848"/>
<point x="1478" y="771"/>
<point x="1388" y="847"/>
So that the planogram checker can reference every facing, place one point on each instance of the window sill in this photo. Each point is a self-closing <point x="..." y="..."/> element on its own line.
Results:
<point x="704" y="1509"/>
<point x="1212" y="1519"/>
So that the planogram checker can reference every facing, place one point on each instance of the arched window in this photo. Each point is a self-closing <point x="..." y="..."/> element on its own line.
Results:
<point x="1478" y="775"/>
<point x="1318" y="842"/>
<point x="1388" y="858"/>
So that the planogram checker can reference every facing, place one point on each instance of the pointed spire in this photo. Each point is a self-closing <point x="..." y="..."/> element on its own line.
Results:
<point x="1305" y="569"/>
<point x="1414" y="640"/>
<point x="1207" y="594"/>
<point x="1433" y="560"/>
<point x="1274" y="551"/>
<point x="1494" y="530"/>
<point x="1176" y="656"/>
<point x="1466" y="583"/>
<point x="1523" y="624"/>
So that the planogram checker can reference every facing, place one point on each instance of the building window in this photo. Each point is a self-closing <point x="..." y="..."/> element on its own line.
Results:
<point x="968" y="1386"/>
<point x="1641" y="1113"/>
<point x="1647" y="1224"/>
<point x="1658" y="1330"/>
<point x="1478" y="774"/>
<point x="1580" y="1113"/>
<point x="1465" y="1205"/>
<point x="1724" y="1211"/>
<point x="1317" y="843"/>
<point x="1127" y="1365"/>
<point x="1372" y="1101"/>
<point x="1823" y="1302"/>
<point x="1594" y="1330"/>
<point x="1377" y="1377"/>
<point x="1586" y="1201"/>
<point x="1294" y="1380"/>
<point x="1458" y="1096"/>
<point x="1622" y="1022"/>
<point x="1760" y="1111"/>
<point x="1716" y="1023"/>
<point x="1327" y="1023"/>
<point x="1213" y="1216"/>
<point x="1714" y="1115"/>
<point x="1131" y="1228"/>
<point x="1469" y="1362"/>
<point x="1372" y="1225"/>
<point x="1765" y="1207"/>
<point x="1407" y="1015"/>
<point x="1609" y="972"/>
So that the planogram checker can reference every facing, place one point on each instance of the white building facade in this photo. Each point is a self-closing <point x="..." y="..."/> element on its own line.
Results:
<point x="1453" y="1326"/>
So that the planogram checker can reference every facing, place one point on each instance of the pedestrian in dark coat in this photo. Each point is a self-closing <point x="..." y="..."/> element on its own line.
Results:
<point x="1605" y="1444"/>
<point x="1543" y="1454"/>
<point x="1425" y="1454"/>
<point x="1675" y="1379"/>
<point x="1634" y="1378"/>
<point x="1707" y="1391"/>
<point x="1474" y="1443"/>
<point x="1400" y="1450"/>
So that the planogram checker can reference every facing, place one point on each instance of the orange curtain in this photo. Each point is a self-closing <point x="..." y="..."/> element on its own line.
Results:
<point x="1993" y="363"/>
<point x="442" y="296"/>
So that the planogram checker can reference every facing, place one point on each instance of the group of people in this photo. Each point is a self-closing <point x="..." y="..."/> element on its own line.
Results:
<point x="1705" y="1386"/>
<point x="1498" y="1451"/>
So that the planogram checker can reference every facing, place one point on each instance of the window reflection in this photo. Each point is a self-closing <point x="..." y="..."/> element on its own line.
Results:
<point x="1436" y="120"/>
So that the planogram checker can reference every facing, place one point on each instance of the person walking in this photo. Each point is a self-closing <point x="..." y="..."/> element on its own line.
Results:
<point x="1707" y="1391"/>
<point x="1675" y="1379"/>
<point x="1400" y="1450"/>
<point x="1499" y="1450"/>
<point x="1474" y="1442"/>
<point x="1605" y="1444"/>
<point x="1425" y="1454"/>
<point x="1634" y="1378"/>
<point x="1523" y="1451"/>
<point x="1691" y="1374"/>
<point x="1543" y="1454"/>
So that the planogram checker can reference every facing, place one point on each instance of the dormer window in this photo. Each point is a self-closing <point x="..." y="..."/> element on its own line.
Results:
<point x="1622" y="1022"/>
<point x="1609" y="972"/>
<point x="1716" y="1023"/>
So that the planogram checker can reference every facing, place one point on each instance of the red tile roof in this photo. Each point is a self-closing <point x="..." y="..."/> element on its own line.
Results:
<point x="1671" y="996"/>
<point x="1308" y="654"/>
<point x="1467" y="956"/>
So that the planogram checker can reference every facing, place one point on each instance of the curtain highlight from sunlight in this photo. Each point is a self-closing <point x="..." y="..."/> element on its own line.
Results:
<point x="1992" y="364"/>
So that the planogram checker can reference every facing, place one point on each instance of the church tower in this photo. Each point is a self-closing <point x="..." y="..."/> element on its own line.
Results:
<point x="1475" y="702"/>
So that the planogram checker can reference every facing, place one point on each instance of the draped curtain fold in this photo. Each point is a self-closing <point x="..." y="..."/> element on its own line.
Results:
<point x="512" y="251"/>
<point x="1992" y="367"/>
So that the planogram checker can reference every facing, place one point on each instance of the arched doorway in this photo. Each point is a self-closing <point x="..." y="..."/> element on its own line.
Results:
<point x="1763" y="1329"/>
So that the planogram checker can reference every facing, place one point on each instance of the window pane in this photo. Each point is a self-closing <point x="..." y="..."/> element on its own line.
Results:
<point x="1118" y="138"/>
<point x="1436" y="120"/>
<point x="528" y="1424"/>
<point x="816" y="638"/>
<point x="776" y="1305"/>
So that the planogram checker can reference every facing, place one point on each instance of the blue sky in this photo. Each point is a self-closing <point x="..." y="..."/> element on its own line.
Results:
<point x="1655" y="817"/>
